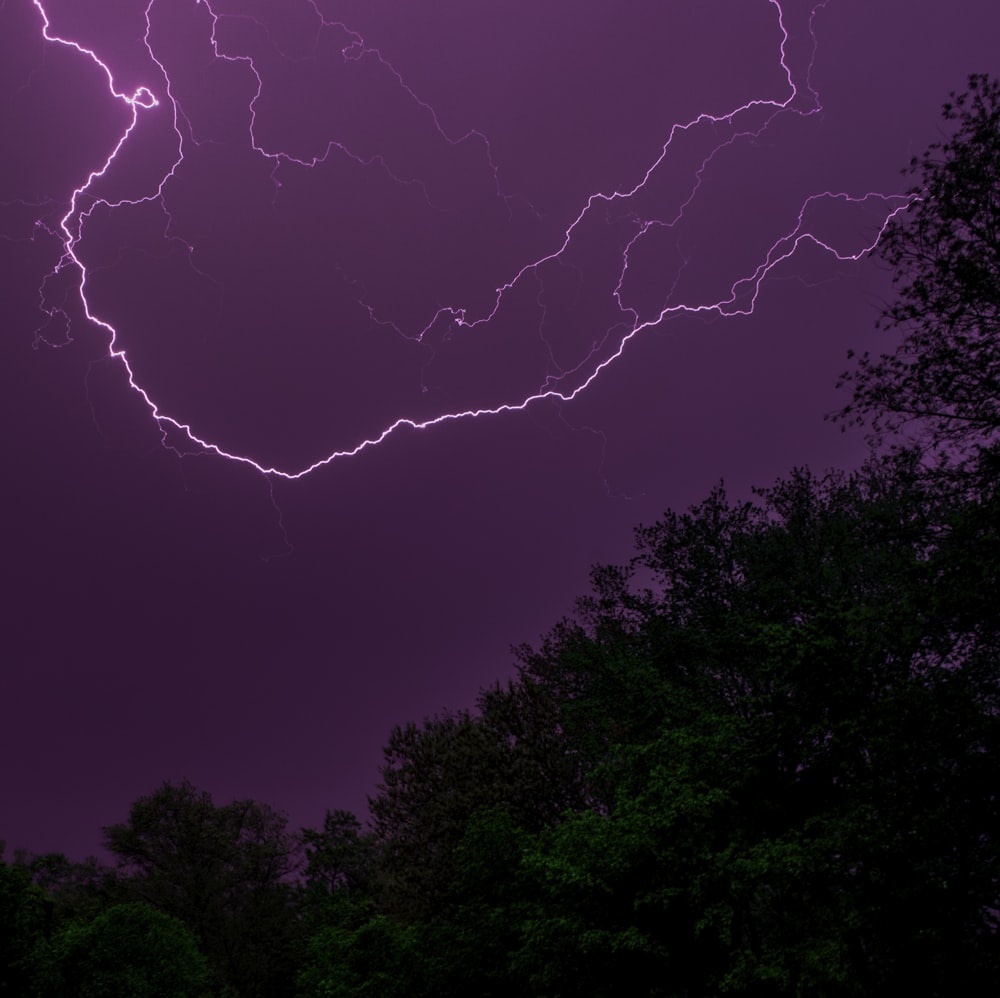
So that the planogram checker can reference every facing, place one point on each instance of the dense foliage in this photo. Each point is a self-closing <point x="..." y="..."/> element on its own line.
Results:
<point x="761" y="758"/>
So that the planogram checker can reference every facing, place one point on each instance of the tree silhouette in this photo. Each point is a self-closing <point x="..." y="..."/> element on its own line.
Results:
<point x="942" y="382"/>
<point x="222" y="871"/>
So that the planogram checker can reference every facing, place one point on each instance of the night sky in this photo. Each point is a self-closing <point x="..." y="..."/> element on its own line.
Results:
<point x="346" y="218"/>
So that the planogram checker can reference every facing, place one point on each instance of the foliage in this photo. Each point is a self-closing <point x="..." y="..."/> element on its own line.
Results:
<point x="24" y="923"/>
<point x="374" y="959"/>
<point x="438" y="776"/>
<point x="804" y="801"/>
<point x="762" y="759"/>
<point x="341" y="856"/>
<point x="944" y="376"/>
<point x="75" y="890"/>
<point x="130" y="949"/>
<point x="224" y="872"/>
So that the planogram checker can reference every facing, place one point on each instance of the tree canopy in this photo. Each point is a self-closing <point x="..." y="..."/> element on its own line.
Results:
<point x="943" y="379"/>
<point x="794" y="725"/>
<point x="221" y="870"/>
<point x="129" y="949"/>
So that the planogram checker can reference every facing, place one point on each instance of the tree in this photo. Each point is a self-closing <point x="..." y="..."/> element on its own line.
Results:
<point x="25" y="917"/>
<point x="944" y="377"/>
<point x="75" y="890"/>
<point x="224" y="872"/>
<point x="460" y="796"/>
<point x="341" y="866"/>
<point x="433" y="778"/>
<point x="130" y="949"/>
<point x="436" y="778"/>
<point x="375" y="959"/>
<point x="803" y="801"/>
<point x="341" y="856"/>
<point x="761" y="759"/>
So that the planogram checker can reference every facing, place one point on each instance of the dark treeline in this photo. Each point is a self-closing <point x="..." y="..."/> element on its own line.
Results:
<point x="760" y="759"/>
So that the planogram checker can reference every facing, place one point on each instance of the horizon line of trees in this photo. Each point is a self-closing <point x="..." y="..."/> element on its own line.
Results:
<point x="761" y="758"/>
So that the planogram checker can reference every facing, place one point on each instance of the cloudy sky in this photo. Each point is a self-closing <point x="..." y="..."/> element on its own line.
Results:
<point x="341" y="338"/>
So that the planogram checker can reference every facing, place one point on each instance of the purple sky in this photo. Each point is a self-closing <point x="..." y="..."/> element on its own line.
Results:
<point x="173" y="613"/>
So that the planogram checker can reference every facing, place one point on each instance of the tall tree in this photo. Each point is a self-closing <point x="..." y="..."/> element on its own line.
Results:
<point x="804" y="799"/>
<point x="943" y="379"/>
<point x="509" y="755"/>
<point x="224" y="872"/>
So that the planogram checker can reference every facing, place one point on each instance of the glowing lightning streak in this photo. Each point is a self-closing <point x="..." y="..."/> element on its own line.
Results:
<point x="746" y="288"/>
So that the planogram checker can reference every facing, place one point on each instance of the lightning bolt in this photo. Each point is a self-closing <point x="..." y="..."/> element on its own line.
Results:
<point x="641" y="209"/>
